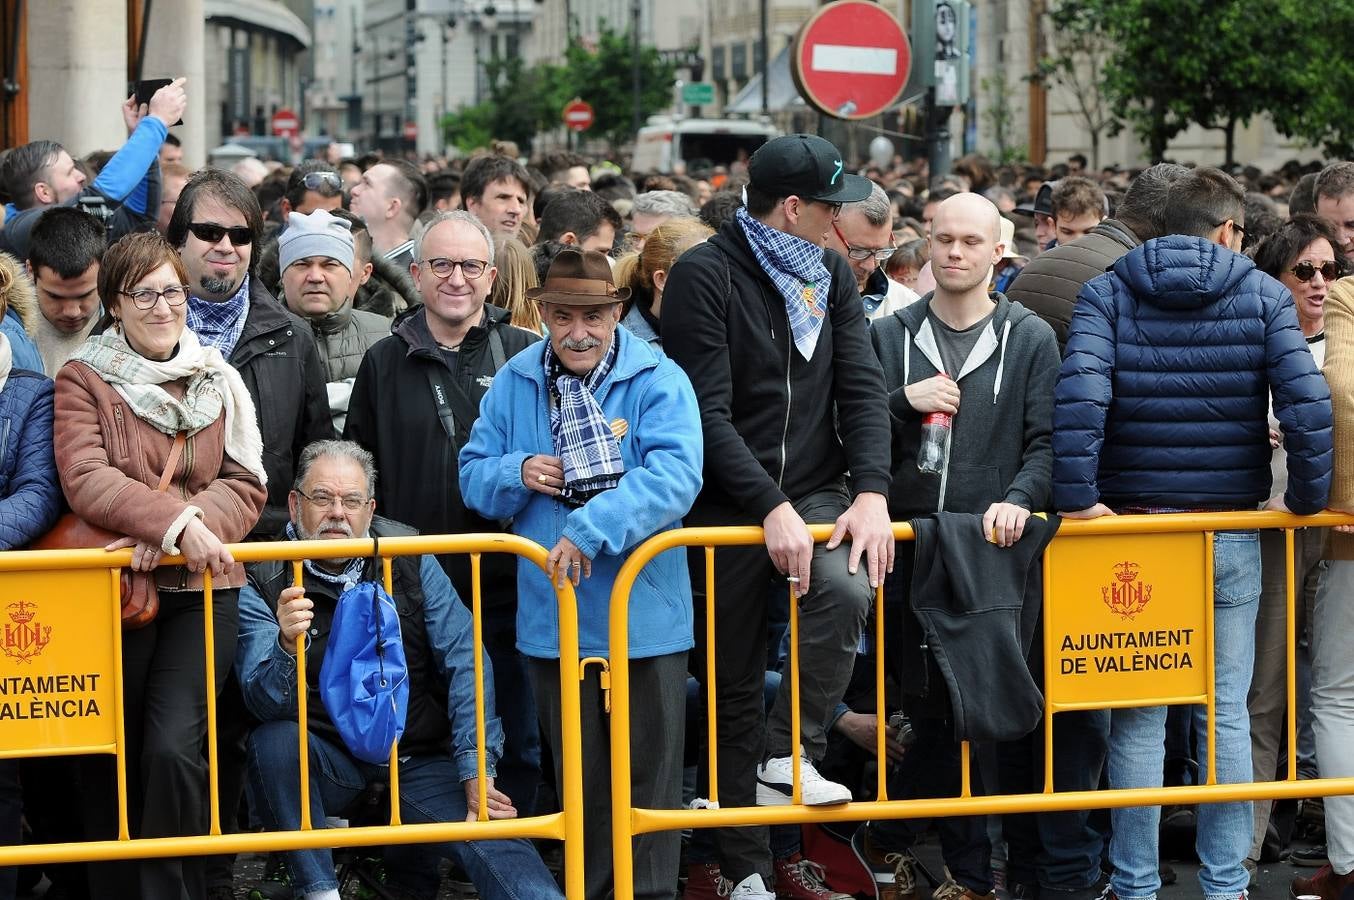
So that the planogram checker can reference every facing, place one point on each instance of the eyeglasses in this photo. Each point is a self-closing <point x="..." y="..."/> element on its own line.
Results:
<point x="175" y="295"/>
<point x="324" y="500"/>
<point x="314" y="181"/>
<point x="1236" y="226"/>
<point x="1306" y="271"/>
<point x="212" y="233"/>
<point x="442" y="267"/>
<point x="863" y="253"/>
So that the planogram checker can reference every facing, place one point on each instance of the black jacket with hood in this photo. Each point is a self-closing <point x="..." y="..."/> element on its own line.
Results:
<point x="777" y="427"/>
<point x="1001" y="439"/>
<point x="393" y="414"/>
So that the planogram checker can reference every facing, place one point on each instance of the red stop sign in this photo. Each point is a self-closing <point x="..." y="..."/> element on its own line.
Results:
<point x="851" y="59"/>
<point x="578" y="115"/>
<point x="285" y="123"/>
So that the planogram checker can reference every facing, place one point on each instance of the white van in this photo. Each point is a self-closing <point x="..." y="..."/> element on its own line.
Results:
<point x="666" y="144"/>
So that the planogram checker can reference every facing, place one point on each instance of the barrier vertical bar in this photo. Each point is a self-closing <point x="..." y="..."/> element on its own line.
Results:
<point x="965" y="764"/>
<point x="1212" y="705"/>
<point x="1290" y="650"/>
<point x="209" y="652"/>
<point x="796" y="789"/>
<point x="302" y="697"/>
<point x="481" y="771"/>
<point x="1048" y="670"/>
<point x="881" y="701"/>
<point x="571" y="736"/>
<point x="119" y="714"/>
<point x="711" y="708"/>
<point x="389" y="582"/>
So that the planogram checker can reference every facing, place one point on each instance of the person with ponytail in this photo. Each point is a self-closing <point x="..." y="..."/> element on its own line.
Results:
<point x="646" y="273"/>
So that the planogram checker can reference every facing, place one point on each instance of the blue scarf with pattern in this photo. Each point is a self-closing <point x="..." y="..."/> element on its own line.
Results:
<point x="219" y="325"/>
<point x="795" y="266"/>
<point x="587" y="446"/>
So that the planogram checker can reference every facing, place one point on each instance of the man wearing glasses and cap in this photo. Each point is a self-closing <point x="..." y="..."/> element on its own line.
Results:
<point x="772" y="333"/>
<point x="590" y="443"/>
<point x="863" y="233"/>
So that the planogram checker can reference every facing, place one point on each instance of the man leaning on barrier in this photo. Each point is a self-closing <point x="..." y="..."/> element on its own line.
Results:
<point x="1161" y="407"/>
<point x="332" y="499"/>
<point x="590" y="442"/>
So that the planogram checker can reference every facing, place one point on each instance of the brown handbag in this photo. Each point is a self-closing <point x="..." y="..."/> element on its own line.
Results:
<point x="140" y="597"/>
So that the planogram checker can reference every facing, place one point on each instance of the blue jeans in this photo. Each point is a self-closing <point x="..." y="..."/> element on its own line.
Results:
<point x="1137" y="750"/>
<point x="430" y="791"/>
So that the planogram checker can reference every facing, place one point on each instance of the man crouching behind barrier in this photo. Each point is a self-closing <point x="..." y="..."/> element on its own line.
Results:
<point x="333" y="499"/>
<point x="591" y="443"/>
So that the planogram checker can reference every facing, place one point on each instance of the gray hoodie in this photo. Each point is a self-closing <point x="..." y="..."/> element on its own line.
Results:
<point x="1000" y="443"/>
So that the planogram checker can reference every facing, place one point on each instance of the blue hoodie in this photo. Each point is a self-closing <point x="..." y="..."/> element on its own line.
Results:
<point x="663" y="451"/>
<point x="1171" y="360"/>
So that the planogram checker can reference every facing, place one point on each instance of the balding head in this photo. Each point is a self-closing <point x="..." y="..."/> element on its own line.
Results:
<point x="965" y="244"/>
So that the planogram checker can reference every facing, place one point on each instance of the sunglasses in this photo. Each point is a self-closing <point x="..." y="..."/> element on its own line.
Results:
<point x="212" y="233"/>
<point x="1305" y="271"/>
<point x="314" y="181"/>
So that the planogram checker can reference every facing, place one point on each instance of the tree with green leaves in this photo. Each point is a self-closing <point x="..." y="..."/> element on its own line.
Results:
<point x="1214" y="63"/>
<point x="603" y="76"/>
<point x="1078" y="48"/>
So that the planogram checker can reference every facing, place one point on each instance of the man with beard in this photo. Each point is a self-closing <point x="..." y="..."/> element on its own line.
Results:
<point x="333" y="499"/>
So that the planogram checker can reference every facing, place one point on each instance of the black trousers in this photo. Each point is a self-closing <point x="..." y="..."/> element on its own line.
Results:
<point x="657" y="728"/>
<point x="165" y="715"/>
<point x="11" y="810"/>
<point x="831" y="617"/>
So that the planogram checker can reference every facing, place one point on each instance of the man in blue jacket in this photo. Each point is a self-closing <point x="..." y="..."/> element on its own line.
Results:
<point x="1172" y="357"/>
<point x="591" y="443"/>
<point x="334" y="498"/>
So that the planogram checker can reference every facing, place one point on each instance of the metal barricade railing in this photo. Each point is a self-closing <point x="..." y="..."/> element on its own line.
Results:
<point x="1103" y="536"/>
<point x="97" y="641"/>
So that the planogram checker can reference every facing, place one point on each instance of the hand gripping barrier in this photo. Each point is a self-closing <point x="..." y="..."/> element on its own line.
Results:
<point x="1097" y="571"/>
<point x="77" y="592"/>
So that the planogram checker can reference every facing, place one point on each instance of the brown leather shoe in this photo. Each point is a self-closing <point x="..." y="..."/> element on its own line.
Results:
<point x="1324" y="884"/>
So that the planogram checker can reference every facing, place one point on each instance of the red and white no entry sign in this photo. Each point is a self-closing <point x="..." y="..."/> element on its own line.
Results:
<point x="285" y="123"/>
<point x="851" y="59"/>
<point x="578" y="115"/>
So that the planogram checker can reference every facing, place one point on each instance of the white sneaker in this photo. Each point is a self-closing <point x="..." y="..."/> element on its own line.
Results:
<point x="752" y="888"/>
<point x="775" y="780"/>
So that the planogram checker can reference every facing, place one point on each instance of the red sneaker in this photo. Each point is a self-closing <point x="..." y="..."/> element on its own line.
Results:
<point x="703" y="882"/>
<point x="798" y="878"/>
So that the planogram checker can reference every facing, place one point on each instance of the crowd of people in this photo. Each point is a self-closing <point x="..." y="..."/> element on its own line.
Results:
<point x="375" y="347"/>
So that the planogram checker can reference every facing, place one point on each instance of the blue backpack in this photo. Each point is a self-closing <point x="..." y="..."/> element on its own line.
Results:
<point x="364" y="679"/>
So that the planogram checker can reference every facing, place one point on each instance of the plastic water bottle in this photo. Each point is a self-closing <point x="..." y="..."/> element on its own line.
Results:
<point x="935" y="442"/>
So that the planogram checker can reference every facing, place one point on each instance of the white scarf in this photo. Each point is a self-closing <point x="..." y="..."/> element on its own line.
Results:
<point x="213" y="384"/>
<point x="6" y="359"/>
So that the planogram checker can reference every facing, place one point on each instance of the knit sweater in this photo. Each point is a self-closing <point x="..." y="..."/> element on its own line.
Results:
<point x="1339" y="371"/>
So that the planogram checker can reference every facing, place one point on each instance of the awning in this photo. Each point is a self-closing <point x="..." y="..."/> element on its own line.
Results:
<point x="260" y="15"/>
<point x="782" y="95"/>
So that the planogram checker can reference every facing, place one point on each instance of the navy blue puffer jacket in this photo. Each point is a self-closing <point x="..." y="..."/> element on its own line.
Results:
<point x="1171" y="359"/>
<point x="30" y="495"/>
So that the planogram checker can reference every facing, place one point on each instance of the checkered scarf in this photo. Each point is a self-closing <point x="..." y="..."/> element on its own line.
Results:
<point x="795" y="266"/>
<point x="583" y="439"/>
<point x="219" y="325"/>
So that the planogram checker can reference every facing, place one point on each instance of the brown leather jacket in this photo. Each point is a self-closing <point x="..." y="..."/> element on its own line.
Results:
<point x="109" y="462"/>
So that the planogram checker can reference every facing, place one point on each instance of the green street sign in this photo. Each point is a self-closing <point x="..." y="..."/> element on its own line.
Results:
<point x="698" y="93"/>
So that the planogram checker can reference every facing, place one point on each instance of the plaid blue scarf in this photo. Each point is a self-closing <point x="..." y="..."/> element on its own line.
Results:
<point x="583" y="440"/>
<point x="219" y="325"/>
<point x="795" y="266"/>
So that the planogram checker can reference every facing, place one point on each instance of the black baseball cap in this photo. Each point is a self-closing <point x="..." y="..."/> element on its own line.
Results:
<point x="1043" y="202"/>
<point x="807" y="166"/>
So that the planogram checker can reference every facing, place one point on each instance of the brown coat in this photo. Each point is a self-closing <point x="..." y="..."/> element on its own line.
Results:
<point x="109" y="462"/>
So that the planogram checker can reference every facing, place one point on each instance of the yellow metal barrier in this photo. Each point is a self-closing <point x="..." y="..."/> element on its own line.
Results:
<point x="1195" y="530"/>
<point x="92" y="647"/>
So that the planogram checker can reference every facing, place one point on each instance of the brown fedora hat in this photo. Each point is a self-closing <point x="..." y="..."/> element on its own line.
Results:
<point x="579" y="278"/>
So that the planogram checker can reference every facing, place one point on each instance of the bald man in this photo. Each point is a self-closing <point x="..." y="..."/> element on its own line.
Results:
<point x="990" y="365"/>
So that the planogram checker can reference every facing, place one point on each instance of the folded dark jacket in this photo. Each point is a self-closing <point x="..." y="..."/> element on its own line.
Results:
<point x="978" y="605"/>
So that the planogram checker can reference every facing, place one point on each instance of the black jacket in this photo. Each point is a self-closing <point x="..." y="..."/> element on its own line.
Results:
<point x="977" y="605"/>
<point x="1049" y="285"/>
<point x="277" y="358"/>
<point x="394" y="415"/>
<point x="777" y="427"/>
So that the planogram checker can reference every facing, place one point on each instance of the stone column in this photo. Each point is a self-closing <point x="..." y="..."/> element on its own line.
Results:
<point x="77" y="73"/>
<point x="175" y="47"/>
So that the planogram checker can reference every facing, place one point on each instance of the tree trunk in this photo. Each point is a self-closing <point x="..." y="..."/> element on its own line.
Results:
<point x="1229" y="133"/>
<point x="1095" y="150"/>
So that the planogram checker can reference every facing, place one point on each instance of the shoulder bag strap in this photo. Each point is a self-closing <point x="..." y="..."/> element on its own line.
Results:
<point x="175" y="454"/>
<point x="496" y="349"/>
